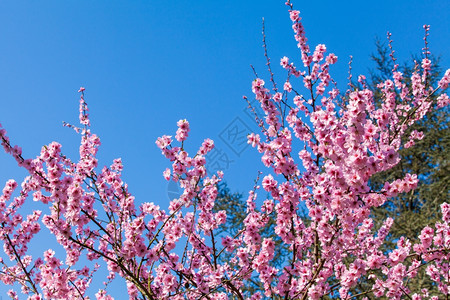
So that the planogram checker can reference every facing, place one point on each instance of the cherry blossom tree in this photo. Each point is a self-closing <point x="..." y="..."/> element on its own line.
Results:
<point x="320" y="148"/>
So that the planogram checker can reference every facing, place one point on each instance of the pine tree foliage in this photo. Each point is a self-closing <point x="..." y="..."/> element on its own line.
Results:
<point x="428" y="158"/>
<point x="235" y="206"/>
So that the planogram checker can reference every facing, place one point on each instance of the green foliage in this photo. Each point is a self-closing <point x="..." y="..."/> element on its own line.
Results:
<point x="235" y="206"/>
<point x="428" y="158"/>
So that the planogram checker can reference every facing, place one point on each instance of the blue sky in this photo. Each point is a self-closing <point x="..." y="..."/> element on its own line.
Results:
<point x="147" y="64"/>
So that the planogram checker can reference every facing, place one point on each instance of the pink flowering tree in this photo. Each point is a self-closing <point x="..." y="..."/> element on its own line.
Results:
<point x="320" y="148"/>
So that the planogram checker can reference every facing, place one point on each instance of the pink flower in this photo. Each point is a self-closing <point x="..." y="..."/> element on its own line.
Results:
<point x="166" y="174"/>
<point x="284" y="62"/>
<point x="183" y="130"/>
<point x="443" y="83"/>
<point x="294" y="15"/>
<point x="287" y="86"/>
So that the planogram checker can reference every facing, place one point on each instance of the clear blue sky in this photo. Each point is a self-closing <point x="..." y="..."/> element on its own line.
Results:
<point x="147" y="64"/>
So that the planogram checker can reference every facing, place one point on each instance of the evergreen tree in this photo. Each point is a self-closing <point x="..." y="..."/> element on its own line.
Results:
<point x="235" y="206"/>
<point x="428" y="158"/>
